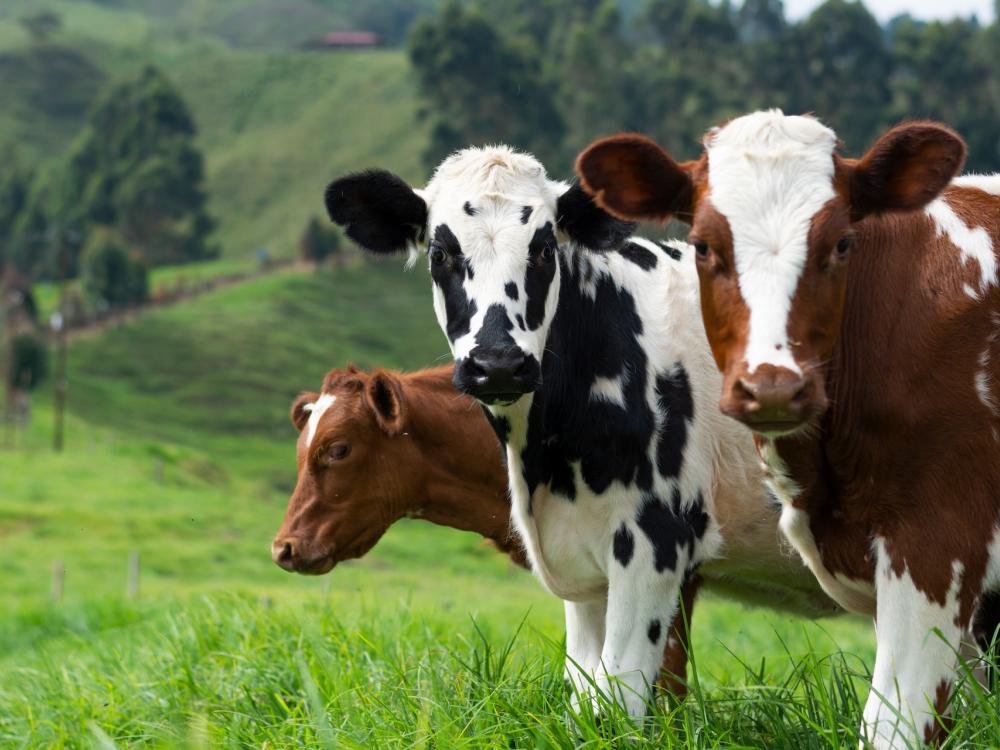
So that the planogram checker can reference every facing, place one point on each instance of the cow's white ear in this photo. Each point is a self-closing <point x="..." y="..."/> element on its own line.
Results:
<point x="378" y="210"/>
<point x="587" y="224"/>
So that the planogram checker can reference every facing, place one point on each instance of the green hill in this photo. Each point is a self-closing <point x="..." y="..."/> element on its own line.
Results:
<point x="274" y="124"/>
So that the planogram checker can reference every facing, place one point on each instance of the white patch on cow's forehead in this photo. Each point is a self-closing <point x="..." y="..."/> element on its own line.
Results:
<point x="489" y="172"/>
<point x="769" y="174"/>
<point x="316" y="412"/>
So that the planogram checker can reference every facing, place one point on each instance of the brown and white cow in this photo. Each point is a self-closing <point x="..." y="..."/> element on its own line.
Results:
<point x="853" y="307"/>
<point x="374" y="448"/>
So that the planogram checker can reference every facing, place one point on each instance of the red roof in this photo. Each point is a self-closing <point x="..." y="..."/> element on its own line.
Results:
<point x="353" y="38"/>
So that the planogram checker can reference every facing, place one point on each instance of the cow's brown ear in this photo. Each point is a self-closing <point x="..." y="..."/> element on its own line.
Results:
<point x="301" y="409"/>
<point x="384" y="396"/>
<point x="905" y="170"/>
<point x="633" y="178"/>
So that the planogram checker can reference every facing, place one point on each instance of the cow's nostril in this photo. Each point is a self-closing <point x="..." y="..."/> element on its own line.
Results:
<point x="474" y="368"/>
<point x="745" y="390"/>
<point x="286" y="552"/>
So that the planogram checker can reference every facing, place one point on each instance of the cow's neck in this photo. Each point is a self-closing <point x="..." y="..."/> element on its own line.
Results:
<point x="465" y="484"/>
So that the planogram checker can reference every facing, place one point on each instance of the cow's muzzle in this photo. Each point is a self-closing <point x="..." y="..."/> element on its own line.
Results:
<point x="498" y="377"/>
<point x="773" y="400"/>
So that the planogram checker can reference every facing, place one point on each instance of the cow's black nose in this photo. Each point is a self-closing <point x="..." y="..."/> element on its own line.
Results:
<point x="495" y="376"/>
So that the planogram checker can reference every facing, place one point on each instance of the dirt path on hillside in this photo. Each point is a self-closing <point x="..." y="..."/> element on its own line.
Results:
<point x="113" y="320"/>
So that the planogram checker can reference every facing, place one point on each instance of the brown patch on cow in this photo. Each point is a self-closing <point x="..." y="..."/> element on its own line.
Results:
<point x="673" y="671"/>
<point x="936" y="731"/>
<point x="723" y="308"/>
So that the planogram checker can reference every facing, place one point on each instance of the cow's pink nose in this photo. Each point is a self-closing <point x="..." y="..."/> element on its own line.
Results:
<point x="283" y="553"/>
<point x="773" y="400"/>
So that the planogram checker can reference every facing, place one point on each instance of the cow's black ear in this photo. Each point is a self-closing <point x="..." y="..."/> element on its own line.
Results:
<point x="378" y="210"/>
<point x="587" y="224"/>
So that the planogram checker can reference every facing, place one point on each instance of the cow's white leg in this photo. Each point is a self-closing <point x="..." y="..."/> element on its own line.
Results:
<point x="584" y="641"/>
<point x="915" y="661"/>
<point x="641" y="607"/>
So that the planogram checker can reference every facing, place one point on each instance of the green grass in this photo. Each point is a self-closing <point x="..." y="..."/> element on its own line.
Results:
<point x="378" y="671"/>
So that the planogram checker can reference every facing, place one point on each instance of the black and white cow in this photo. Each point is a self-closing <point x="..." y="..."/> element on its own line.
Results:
<point x="587" y="349"/>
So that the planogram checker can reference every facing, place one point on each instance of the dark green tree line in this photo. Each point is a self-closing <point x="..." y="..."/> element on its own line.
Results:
<point x="681" y="66"/>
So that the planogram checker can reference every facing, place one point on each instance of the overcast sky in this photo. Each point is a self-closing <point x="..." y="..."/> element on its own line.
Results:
<point x="886" y="9"/>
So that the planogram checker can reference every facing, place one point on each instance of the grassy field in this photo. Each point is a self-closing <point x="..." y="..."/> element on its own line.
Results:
<point x="179" y="449"/>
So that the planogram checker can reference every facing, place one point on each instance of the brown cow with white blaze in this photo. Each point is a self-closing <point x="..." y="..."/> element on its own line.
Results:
<point x="853" y="307"/>
<point x="377" y="447"/>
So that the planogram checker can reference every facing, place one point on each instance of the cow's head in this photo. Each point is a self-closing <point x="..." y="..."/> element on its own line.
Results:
<point x="772" y="208"/>
<point x="491" y="224"/>
<point x="356" y="478"/>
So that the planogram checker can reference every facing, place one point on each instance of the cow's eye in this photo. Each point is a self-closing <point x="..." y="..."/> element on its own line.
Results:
<point x="701" y="249"/>
<point x="843" y="248"/>
<point x="337" y="452"/>
<point x="548" y="252"/>
<point x="438" y="255"/>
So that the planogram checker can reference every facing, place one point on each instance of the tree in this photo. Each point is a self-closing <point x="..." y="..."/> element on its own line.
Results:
<point x="111" y="275"/>
<point x="41" y="25"/>
<point x="15" y="187"/>
<point x="943" y="72"/>
<point x="137" y="168"/>
<point x="29" y="362"/>
<point x="845" y="71"/>
<point x="319" y="242"/>
<point x="481" y="87"/>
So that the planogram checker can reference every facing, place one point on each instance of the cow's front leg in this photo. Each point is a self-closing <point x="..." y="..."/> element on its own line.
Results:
<point x="584" y="641"/>
<point x="642" y="602"/>
<point x="918" y="629"/>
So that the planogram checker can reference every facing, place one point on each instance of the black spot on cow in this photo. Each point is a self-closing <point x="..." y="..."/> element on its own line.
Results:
<point x="541" y="271"/>
<point x="510" y="288"/>
<point x="623" y="545"/>
<point x="520" y="322"/>
<point x="654" y="631"/>
<point x="671" y="251"/>
<point x="587" y="224"/>
<point x="500" y="425"/>
<point x="467" y="207"/>
<point x="525" y="214"/>
<point x="986" y="625"/>
<point x="448" y="276"/>
<point x="641" y="256"/>
<point x="593" y="334"/>
<point x="494" y="334"/>
<point x="671" y="528"/>
<point x="673" y="393"/>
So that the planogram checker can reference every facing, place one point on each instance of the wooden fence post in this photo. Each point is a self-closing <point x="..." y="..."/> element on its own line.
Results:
<point x="133" y="575"/>
<point x="58" y="580"/>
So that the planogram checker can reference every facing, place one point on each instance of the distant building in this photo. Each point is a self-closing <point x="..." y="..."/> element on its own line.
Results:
<point x="345" y="40"/>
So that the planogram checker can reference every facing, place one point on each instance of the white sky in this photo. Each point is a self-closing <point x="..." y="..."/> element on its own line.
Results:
<point x="883" y="10"/>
